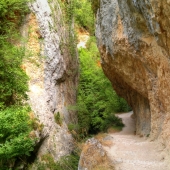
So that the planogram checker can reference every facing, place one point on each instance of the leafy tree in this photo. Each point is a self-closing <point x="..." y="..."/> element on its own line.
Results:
<point x="15" y="141"/>
<point x="15" y="126"/>
<point x="11" y="14"/>
<point x="84" y="16"/>
<point x="13" y="80"/>
<point x="97" y="101"/>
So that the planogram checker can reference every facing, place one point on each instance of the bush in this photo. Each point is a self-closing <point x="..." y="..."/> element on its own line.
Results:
<point x="15" y="126"/>
<point x="69" y="162"/>
<point x="84" y="16"/>
<point x="97" y="101"/>
<point x="11" y="14"/>
<point x="13" y="80"/>
<point x="95" y="5"/>
<point x="14" y="134"/>
<point x="112" y="121"/>
<point x="58" y="118"/>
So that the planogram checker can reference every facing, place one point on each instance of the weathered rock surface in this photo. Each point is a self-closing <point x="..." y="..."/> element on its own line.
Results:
<point x="134" y="39"/>
<point x="94" y="157"/>
<point x="53" y="76"/>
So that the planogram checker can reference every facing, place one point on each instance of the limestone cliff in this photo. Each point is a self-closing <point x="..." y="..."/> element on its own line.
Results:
<point x="134" y="39"/>
<point x="53" y="75"/>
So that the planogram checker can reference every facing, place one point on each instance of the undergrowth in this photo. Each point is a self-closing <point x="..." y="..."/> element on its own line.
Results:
<point x="84" y="17"/>
<point x="15" y="123"/>
<point x="58" y="118"/>
<point x="97" y="101"/>
<point x="15" y="140"/>
<point x="13" y="79"/>
<point x="95" y="5"/>
<point x="69" y="162"/>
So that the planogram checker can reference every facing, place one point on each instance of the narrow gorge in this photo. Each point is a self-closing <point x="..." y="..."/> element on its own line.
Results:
<point x="67" y="117"/>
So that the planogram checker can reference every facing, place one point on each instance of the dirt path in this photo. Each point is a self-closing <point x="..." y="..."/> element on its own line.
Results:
<point x="130" y="152"/>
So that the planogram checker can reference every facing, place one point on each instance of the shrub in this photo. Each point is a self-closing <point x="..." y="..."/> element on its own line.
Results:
<point x="84" y="15"/>
<point x="95" y="5"/>
<point x="97" y="101"/>
<point x="69" y="162"/>
<point x="13" y="80"/>
<point x="11" y="14"/>
<point x="58" y="118"/>
<point x="15" y="128"/>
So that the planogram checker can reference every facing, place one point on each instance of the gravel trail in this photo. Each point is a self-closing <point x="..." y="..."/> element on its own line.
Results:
<point x="130" y="152"/>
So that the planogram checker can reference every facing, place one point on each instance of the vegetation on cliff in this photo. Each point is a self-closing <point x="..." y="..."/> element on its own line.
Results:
<point x="95" y="5"/>
<point x="15" y="140"/>
<point x="97" y="101"/>
<point x="13" y="81"/>
<point x="15" y="126"/>
<point x="69" y="162"/>
<point x="84" y="17"/>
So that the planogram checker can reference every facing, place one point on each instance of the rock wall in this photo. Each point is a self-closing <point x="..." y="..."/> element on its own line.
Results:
<point x="134" y="39"/>
<point x="94" y="156"/>
<point x="53" y="75"/>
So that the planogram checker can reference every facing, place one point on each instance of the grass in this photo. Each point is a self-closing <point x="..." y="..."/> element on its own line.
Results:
<point x="114" y="129"/>
<point x="58" y="118"/>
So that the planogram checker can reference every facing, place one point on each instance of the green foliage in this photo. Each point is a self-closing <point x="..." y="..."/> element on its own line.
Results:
<point x="69" y="162"/>
<point x="68" y="12"/>
<point x="58" y="118"/>
<point x="112" y="121"/>
<point x="96" y="98"/>
<point x="84" y="16"/>
<point x="14" y="134"/>
<point x="13" y="80"/>
<point x="11" y="14"/>
<point x="15" y="126"/>
<point x="95" y="5"/>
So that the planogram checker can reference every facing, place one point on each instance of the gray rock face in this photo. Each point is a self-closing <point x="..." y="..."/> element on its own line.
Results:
<point x="134" y="39"/>
<point x="53" y="84"/>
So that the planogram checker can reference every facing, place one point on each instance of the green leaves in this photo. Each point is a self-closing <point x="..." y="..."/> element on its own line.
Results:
<point x="97" y="101"/>
<point x="12" y="121"/>
<point x="13" y="80"/>
<point x="14" y="133"/>
<point x="84" y="16"/>
<point x="15" y="124"/>
<point x="19" y="146"/>
<point x="69" y="162"/>
<point x="11" y="13"/>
